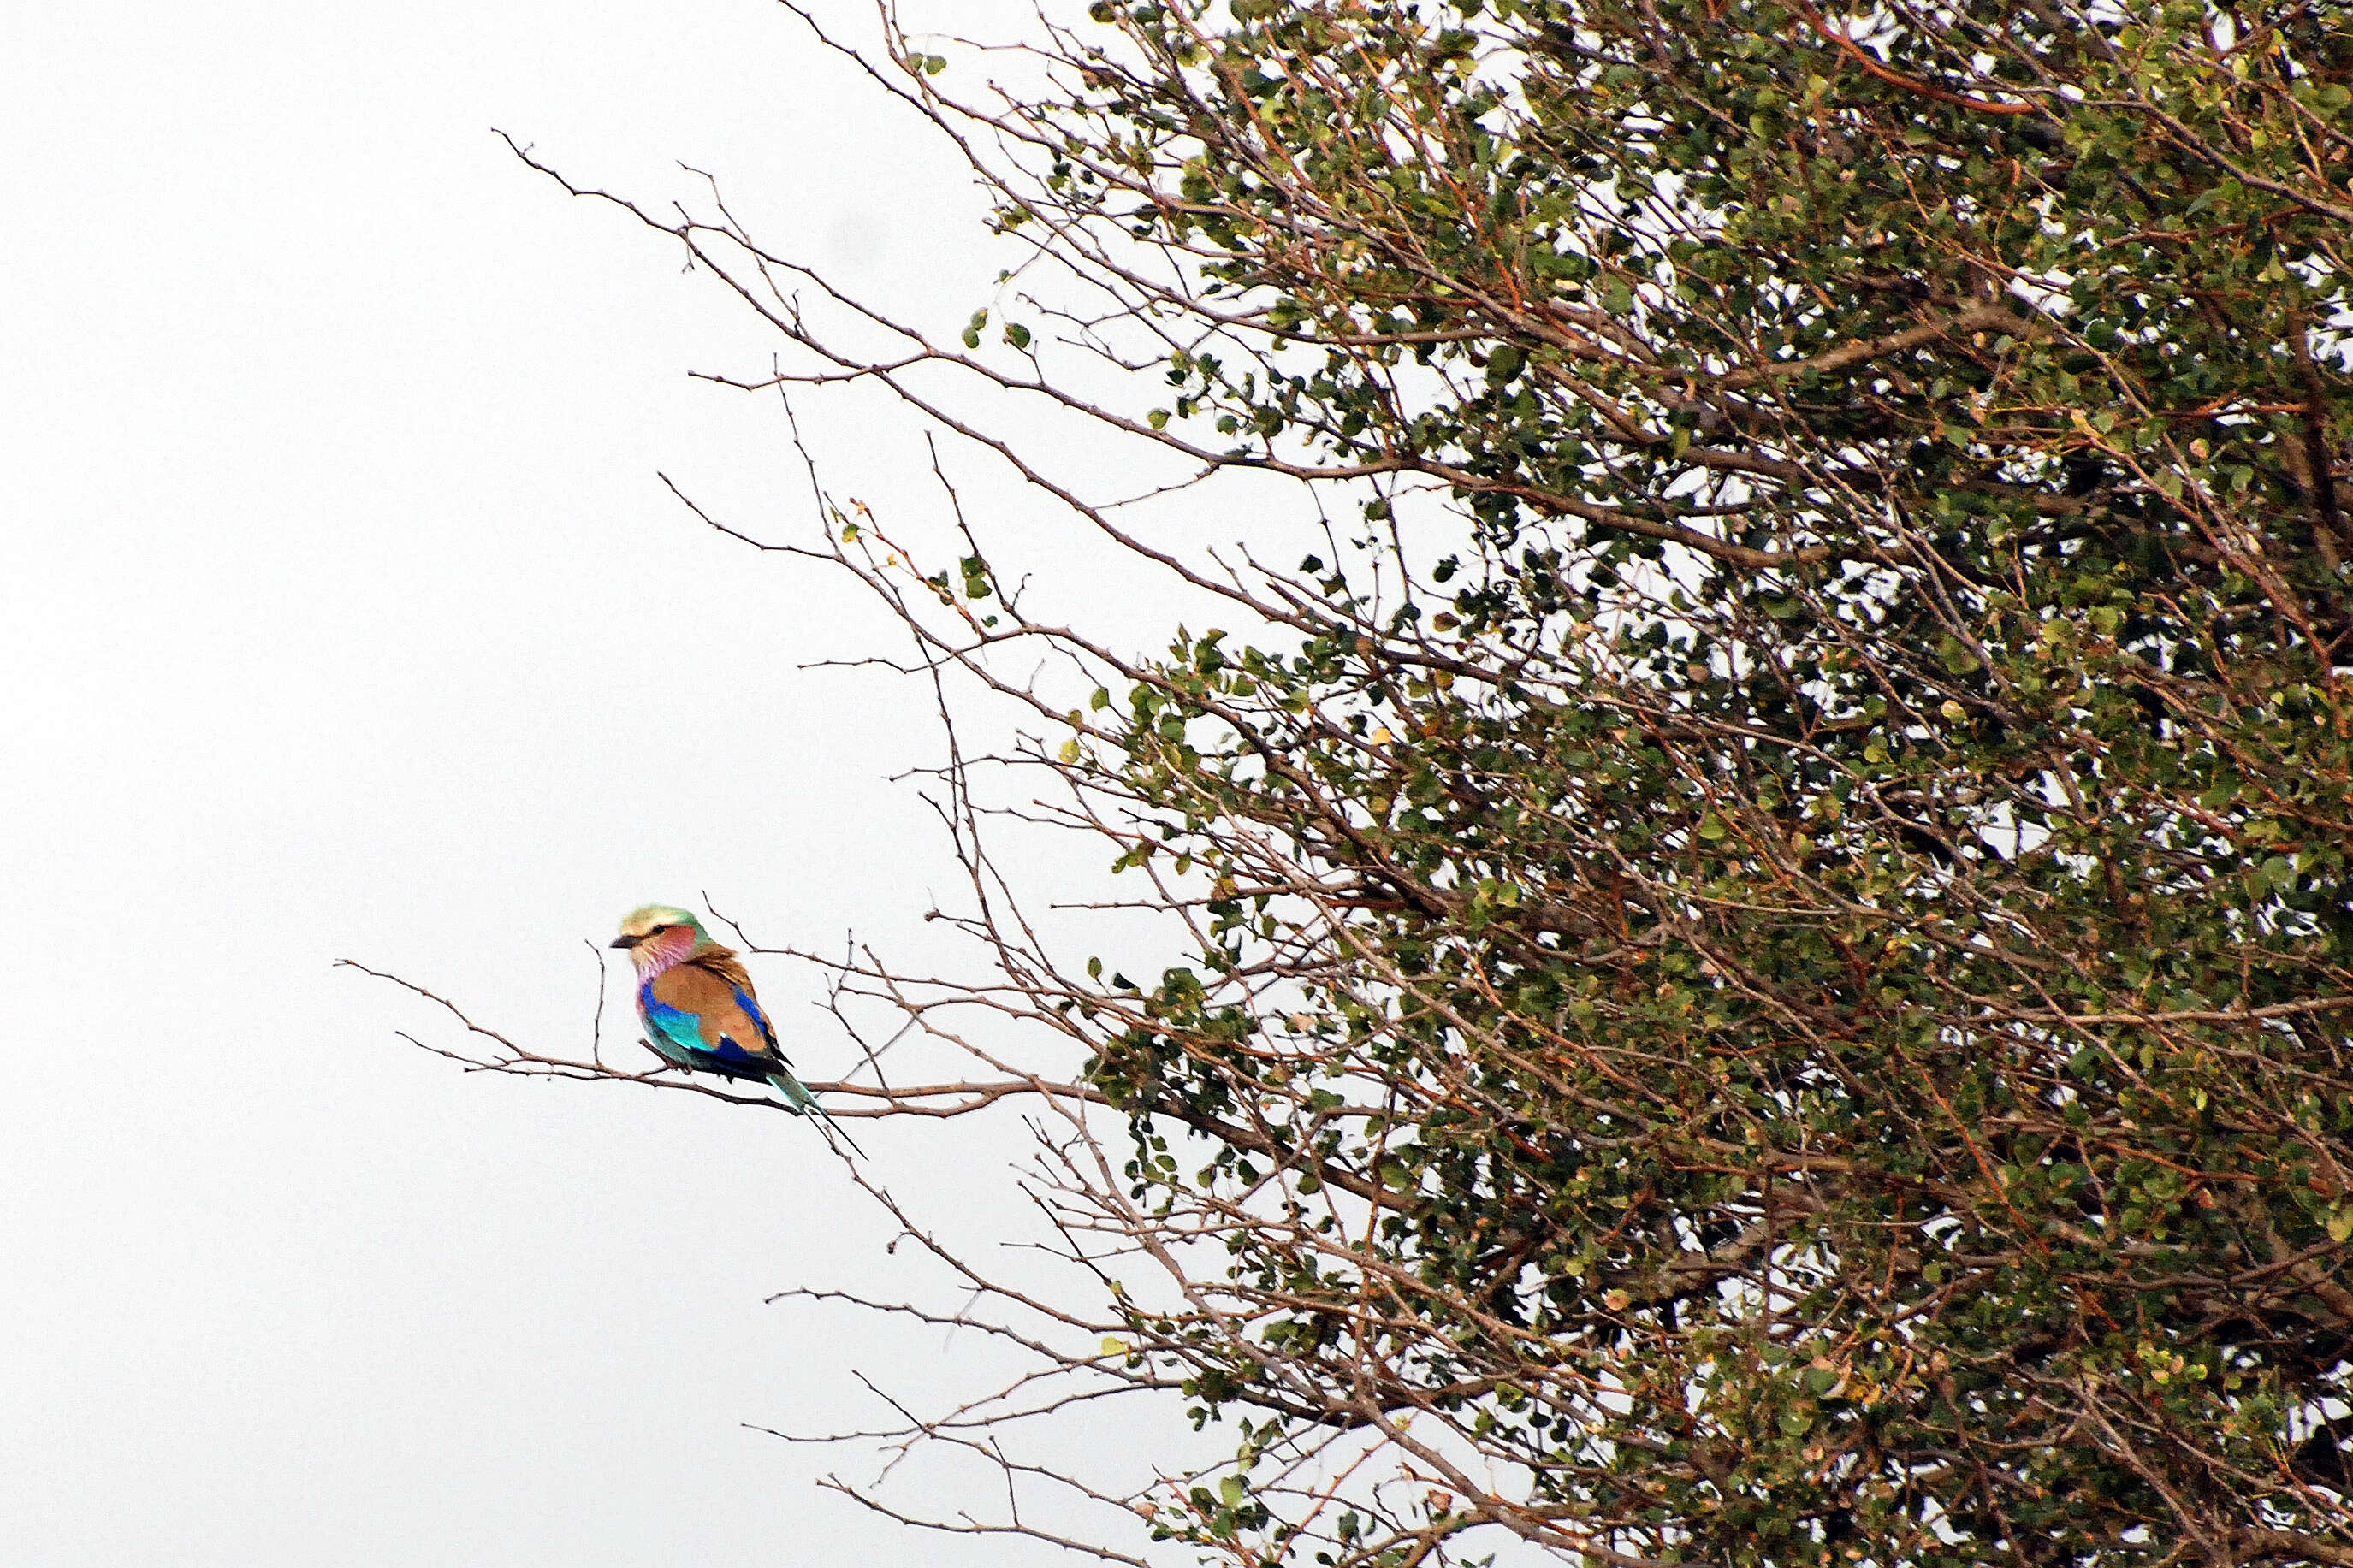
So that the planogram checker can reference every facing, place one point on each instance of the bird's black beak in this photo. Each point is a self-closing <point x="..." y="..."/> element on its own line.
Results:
<point x="625" y="941"/>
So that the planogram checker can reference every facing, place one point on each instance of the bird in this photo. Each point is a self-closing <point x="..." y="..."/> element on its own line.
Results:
<point x="695" y="1000"/>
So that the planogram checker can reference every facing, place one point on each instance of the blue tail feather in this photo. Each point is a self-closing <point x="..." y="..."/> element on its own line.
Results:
<point x="803" y="1104"/>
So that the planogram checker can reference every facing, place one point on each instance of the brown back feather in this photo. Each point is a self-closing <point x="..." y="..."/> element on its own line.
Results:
<point x="722" y="961"/>
<point x="708" y="992"/>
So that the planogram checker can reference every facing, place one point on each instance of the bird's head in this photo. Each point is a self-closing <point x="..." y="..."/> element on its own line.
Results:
<point x="658" y="936"/>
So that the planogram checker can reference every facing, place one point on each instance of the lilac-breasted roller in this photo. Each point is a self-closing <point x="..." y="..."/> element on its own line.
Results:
<point x="695" y="999"/>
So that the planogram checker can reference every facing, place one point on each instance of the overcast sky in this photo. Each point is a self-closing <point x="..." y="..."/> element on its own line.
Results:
<point x="344" y="616"/>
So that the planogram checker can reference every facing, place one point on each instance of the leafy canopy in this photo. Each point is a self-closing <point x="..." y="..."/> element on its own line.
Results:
<point x="1812" y="922"/>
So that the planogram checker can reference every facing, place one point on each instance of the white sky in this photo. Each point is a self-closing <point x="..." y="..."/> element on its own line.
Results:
<point x="344" y="616"/>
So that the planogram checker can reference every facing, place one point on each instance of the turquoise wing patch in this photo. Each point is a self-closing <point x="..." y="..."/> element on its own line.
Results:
<point x="677" y="1034"/>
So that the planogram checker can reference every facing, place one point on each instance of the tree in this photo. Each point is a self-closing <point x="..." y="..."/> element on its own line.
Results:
<point x="1758" y="948"/>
